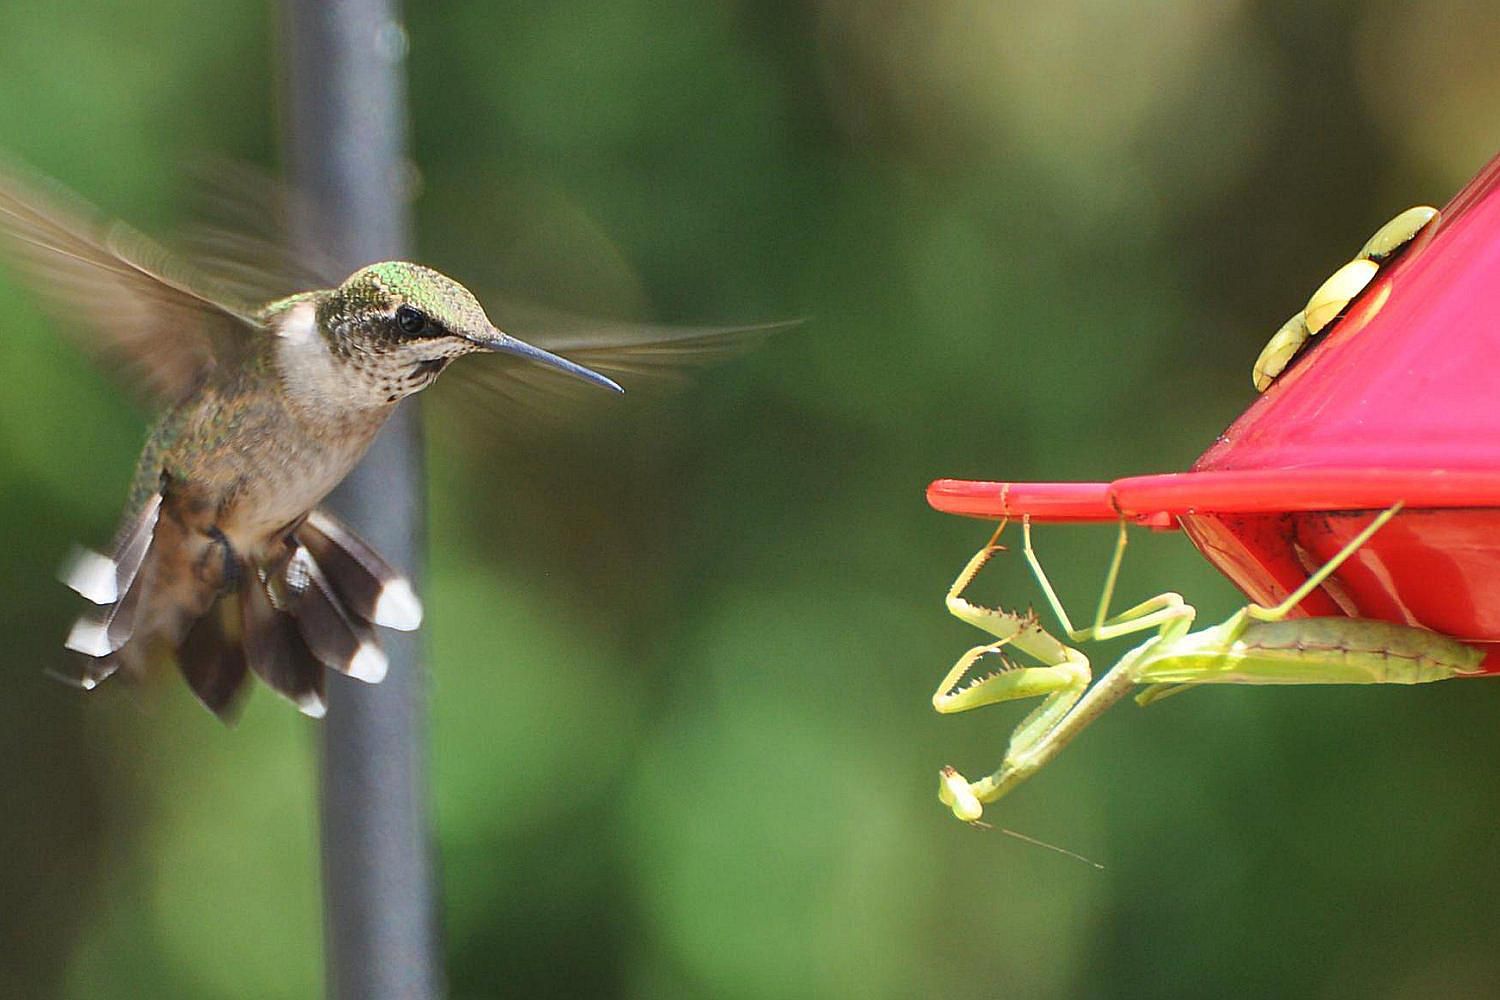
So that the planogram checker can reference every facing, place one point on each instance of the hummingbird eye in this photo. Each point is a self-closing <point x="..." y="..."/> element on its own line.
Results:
<point x="412" y="321"/>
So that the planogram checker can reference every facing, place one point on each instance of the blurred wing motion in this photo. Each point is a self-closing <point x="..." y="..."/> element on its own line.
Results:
<point x="640" y="356"/>
<point x="149" y="317"/>
<point x="243" y="227"/>
<point x="135" y="307"/>
<point x="240" y="233"/>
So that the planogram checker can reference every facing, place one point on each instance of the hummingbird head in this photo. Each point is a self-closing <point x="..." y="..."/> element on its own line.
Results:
<point x="401" y="323"/>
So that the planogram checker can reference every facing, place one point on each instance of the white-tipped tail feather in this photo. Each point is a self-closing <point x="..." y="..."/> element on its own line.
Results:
<point x="89" y="636"/>
<point x="312" y="705"/>
<point x="365" y="583"/>
<point x="91" y="575"/>
<point x="398" y="606"/>
<point x="105" y="579"/>
<point x="109" y="581"/>
<point x="334" y="636"/>
<point x="368" y="664"/>
<point x="275" y="650"/>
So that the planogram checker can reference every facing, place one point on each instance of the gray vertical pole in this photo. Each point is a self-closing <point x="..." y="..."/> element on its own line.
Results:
<point x="346" y="139"/>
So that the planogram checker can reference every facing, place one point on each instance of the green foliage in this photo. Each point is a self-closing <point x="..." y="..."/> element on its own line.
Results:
<point x="681" y="659"/>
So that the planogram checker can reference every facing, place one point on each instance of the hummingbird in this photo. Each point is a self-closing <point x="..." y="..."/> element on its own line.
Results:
<point x="224" y="560"/>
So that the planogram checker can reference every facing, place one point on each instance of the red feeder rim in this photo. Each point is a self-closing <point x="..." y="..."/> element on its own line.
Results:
<point x="1398" y="402"/>
<point x="1158" y="500"/>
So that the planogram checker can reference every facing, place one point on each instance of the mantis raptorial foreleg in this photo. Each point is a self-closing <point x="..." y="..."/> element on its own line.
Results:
<point x="1060" y="679"/>
<point x="1256" y="645"/>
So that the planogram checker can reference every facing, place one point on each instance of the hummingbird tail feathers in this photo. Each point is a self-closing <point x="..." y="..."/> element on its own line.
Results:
<point x="337" y="638"/>
<point x="212" y="660"/>
<point x="103" y="579"/>
<point x="276" y="652"/>
<point x="365" y="582"/>
<point x="318" y="607"/>
<point x="225" y="617"/>
<point x="114" y="583"/>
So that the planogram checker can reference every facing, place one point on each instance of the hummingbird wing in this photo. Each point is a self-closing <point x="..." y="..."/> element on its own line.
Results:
<point x="242" y="230"/>
<point x="640" y="356"/>
<point x="165" y="323"/>
<point x="134" y="306"/>
<point x="245" y="224"/>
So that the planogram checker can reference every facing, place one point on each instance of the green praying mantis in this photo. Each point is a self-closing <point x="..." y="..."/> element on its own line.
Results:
<point x="1255" y="645"/>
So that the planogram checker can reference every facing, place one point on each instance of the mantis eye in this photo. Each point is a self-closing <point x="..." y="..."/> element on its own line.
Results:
<point x="412" y="321"/>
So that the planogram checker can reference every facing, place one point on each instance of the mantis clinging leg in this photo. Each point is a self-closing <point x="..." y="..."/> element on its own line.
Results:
<point x="1256" y="645"/>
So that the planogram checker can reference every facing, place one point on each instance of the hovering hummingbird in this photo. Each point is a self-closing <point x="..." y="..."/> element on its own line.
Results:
<point x="224" y="560"/>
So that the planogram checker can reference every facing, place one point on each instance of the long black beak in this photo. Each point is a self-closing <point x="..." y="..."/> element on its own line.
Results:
<point x="505" y="343"/>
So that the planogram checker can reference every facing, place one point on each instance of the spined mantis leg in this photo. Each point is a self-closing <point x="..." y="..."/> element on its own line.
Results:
<point x="1256" y="645"/>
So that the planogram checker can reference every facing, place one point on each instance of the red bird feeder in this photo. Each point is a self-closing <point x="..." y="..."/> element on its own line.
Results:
<point x="1400" y="402"/>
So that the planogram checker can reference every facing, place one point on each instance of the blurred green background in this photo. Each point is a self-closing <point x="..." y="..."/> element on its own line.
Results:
<point x="681" y="659"/>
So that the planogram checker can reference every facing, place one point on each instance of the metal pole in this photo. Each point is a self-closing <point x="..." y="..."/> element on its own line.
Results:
<point x="346" y="137"/>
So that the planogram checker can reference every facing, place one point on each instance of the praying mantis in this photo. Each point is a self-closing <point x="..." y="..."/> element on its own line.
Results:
<point x="1255" y="645"/>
